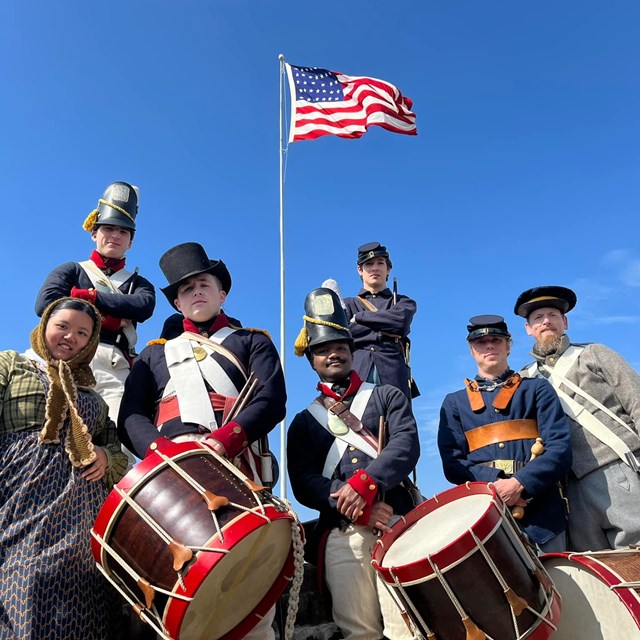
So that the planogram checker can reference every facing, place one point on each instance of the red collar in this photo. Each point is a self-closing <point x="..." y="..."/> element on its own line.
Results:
<point x="354" y="384"/>
<point x="106" y="263"/>
<point x="219" y="322"/>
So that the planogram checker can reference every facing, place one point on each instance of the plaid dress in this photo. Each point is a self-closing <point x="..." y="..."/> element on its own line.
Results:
<point x="50" y="588"/>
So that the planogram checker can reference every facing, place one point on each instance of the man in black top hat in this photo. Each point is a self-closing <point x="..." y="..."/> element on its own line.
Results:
<point x="123" y="298"/>
<point x="600" y="394"/>
<point x="348" y="454"/>
<point x="185" y="388"/>
<point x="510" y="431"/>
<point x="380" y="322"/>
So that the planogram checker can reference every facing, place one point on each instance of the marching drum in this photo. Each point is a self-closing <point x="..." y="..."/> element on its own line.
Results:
<point x="197" y="548"/>
<point x="458" y="568"/>
<point x="600" y="594"/>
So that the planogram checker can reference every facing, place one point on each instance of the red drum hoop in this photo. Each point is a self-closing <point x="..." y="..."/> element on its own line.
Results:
<point x="458" y="565"/>
<point x="601" y="594"/>
<point x="199" y="550"/>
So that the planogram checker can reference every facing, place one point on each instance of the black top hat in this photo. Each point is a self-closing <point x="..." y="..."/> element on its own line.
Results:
<point x="549" y="296"/>
<point x="487" y="325"/>
<point x="324" y="321"/>
<point x="372" y="250"/>
<point x="186" y="260"/>
<point x="118" y="206"/>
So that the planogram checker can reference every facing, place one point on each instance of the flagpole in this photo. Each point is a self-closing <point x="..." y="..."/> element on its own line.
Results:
<point x="283" y="424"/>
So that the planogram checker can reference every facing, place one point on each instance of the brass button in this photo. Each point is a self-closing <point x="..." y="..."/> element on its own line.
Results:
<point x="501" y="445"/>
<point x="552" y="360"/>
<point x="352" y="448"/>
<point x="372" y="487"/>
<point x="237" y="429"/>
<point x="496" y="410"/>
<point x="354" y="460"/>
<point x="245" y="443"/>
<point x="363" y="476"/>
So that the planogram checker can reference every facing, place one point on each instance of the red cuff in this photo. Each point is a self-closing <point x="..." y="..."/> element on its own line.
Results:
<point x="233" y="437"/>
<point x="111" y="323"/>
<point x="365" y="485"/>
<point x="89" y="295"/>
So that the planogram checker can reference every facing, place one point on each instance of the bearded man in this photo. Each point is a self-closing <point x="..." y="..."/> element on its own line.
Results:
<point x="600" y="395"/>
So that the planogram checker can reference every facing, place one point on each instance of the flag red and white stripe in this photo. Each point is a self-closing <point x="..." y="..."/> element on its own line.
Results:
<point x="330" y="103"/>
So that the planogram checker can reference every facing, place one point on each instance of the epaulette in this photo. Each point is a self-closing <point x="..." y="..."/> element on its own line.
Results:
<point x="156" y="341"/>
<point x="254" y="330"/>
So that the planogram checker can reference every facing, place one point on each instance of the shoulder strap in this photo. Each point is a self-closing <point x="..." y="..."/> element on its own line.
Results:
<point x="366" y="304"/>
<point x="320" y="413"/>
<point x="101" y="281"/>
<point x="215" y="346"/>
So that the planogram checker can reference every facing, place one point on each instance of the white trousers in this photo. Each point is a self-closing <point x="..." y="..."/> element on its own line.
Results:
<point x="362" y="605"/>
<point x="110" y="369"/>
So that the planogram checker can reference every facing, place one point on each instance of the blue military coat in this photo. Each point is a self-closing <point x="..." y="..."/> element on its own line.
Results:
<point x="534" y="399"/>
<point x="371" y="331"/>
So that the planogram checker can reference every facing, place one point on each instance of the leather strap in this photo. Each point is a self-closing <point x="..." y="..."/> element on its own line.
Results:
<point x="338" y="408"/>
<point x="504" y="431"/>
<point x="502" y="398"/>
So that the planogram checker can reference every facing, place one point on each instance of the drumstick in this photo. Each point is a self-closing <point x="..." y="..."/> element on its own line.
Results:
<point x="244" y="396"/>
<point x="537" y="449"/>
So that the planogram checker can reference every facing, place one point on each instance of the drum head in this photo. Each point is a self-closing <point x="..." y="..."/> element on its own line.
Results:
<point x="242" y="579"/>
<point x="591" y="610"/>
<point x="436" y="530"/>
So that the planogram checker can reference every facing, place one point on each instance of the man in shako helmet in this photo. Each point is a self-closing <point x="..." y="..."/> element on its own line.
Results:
<point x="600" y="394"/>
<point x="380" y="322"/>
<point x="123" y="298"/>
<point x="342" y="465"/>
<point x="510" y="431"/>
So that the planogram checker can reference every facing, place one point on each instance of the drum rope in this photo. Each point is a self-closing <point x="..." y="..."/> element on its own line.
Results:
<point x="528" y="556"/>
<point x="298" y="575"/>
<point x="503" y="584"/>
<point x="456" y="603"/>
<point x="416" y="613"/>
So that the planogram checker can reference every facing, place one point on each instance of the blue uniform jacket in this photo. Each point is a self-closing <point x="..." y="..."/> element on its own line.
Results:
<point x="149" y="376"/>
<point x="137" y="305"/>
<point x="308" y="444"/>
<point x="535" y="399"/>
<point x="370" y="346"/>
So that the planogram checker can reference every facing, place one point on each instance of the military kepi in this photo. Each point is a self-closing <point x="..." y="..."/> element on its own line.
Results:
<point x="186" y="260"/>
<point x="487" y="325"/>
<point x="324" y="321"/>
<point x="372" y="250"/>
<point x="118" y="207"/>
<point x="550" y="296"/>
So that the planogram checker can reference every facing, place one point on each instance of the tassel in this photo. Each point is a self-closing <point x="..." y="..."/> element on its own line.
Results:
<point x="91" y="220"/>
<point x="302" y="342"/>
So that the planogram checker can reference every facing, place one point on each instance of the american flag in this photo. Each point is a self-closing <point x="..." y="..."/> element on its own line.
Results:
<point x="329" y="103"/>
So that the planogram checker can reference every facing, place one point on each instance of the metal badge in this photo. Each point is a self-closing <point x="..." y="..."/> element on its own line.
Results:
<point x="199" y="353"/>
<point x="120" y="193"/>
<point x="337" y="426"/>
<point x="323" y="305"/>
<point x="505" y="465"/>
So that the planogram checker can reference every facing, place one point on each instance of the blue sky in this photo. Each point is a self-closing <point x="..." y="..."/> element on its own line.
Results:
<point x="524" y="172"/>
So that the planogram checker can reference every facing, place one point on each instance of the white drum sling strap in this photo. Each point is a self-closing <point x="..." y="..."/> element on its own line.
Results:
<point x="340" y="444"/>
<point x="579" y="413"/>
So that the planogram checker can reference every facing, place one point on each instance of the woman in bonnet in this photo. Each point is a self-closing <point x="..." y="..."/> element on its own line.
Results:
<point x="59" y="458"/>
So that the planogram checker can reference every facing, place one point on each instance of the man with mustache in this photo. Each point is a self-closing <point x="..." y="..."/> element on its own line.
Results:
<point x="123" y="298"/>
<point x="348" y="454"/>
<point x="380" y="322"/>
<point x="490" y="430"/>
<point x="600" y="394"/>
